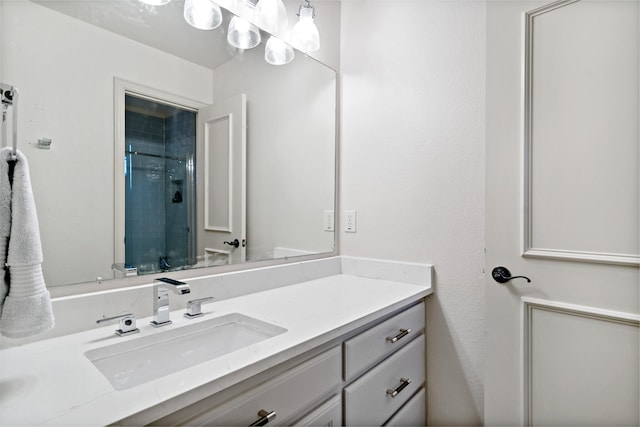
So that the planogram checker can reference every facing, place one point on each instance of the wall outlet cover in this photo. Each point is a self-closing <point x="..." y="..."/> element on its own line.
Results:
<point x="350" y="221"/>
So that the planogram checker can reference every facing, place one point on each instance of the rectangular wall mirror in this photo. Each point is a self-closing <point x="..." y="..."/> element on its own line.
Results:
<point x="166" y="142"/>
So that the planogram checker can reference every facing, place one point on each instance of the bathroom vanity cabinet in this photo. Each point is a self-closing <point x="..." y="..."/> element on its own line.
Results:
<point x="348" y="348"/>
<point x="374" y="375"/>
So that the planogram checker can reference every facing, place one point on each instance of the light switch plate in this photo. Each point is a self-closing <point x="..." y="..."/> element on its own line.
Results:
<point x="329" y="224"/>
<point x="350" y="221"/>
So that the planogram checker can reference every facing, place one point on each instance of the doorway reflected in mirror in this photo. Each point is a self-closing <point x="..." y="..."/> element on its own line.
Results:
<point x="159" y="146"/>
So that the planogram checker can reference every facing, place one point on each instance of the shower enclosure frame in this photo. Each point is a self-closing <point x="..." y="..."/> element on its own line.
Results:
<point x="121" y="89"/>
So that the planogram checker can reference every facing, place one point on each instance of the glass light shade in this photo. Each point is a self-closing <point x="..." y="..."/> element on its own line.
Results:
<point x="271" y="15"/>
<point x="277" y="52"/>
<point x="243" y="34"/>
<point x="155" y="2"/>
<point x="304" y="35"/>
<point x="202" y="14"/>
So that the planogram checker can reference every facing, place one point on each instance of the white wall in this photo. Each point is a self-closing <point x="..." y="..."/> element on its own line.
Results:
<point x="64" y="69"/>
<point x="412" y="165"/>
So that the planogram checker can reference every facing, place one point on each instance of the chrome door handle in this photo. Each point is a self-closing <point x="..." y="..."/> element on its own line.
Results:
<point x="265" y="417"/>
<point x="404" y="382"/>
<point x="403" y="333"/>
<point x="502" y="275"/>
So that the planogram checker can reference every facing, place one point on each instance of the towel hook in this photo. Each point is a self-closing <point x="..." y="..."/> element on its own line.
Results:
<point x="10" y="97"/>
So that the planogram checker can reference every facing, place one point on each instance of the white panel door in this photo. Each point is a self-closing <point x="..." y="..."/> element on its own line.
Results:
<point x="221" y="171"/>
<point x="562" y="197"/>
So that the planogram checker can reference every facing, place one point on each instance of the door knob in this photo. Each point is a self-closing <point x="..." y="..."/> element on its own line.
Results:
<point x="235" y="243"/>
<point x="503" y="275"/>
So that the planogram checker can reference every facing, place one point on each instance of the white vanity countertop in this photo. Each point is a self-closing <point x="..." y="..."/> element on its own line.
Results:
<point x="52" y="383"/>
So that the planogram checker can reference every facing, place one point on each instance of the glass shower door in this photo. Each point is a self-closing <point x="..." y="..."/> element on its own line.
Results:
<point x="159" y="196"/>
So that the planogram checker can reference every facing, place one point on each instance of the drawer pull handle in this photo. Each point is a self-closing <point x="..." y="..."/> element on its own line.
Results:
<point x="396" y="391"/>
<point x="403" y="333"/>
<point x="265" y="417"/>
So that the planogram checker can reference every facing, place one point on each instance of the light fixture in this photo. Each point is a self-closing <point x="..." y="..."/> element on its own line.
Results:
<point x="304" y="35"/>
<point x="243" y="34"/>
<point x="271" y="15"/>
<point x="202" y="14"/>
<point x="155" y="2"/>
<point x="277" y="52"/>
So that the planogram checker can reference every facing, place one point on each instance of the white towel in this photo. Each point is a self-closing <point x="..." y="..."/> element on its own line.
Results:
<point x="5" y="219"/>
<point x="27" y="308"/>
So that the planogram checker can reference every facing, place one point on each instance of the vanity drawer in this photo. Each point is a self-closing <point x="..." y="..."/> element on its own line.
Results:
<point x="288" y="395"/>
<point x="369" y="401"/>
<point x="411" y="414"/>
<point x="365" y="349"/>
<point x="329" y="414"/>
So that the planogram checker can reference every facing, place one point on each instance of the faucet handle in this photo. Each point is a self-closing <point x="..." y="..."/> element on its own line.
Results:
<point x="127" y="324"/>
<point x="194" y="307"/>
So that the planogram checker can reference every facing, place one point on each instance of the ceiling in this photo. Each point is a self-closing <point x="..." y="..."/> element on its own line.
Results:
<point x="161" y="27"/>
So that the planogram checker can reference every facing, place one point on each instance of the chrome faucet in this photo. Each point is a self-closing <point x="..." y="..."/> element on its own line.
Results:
<point x="161" y="299"/>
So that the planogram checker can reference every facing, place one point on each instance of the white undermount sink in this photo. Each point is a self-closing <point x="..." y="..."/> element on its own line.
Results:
<point x="137" y="361"/>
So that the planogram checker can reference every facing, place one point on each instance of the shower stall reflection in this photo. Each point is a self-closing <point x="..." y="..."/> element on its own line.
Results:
<point x="159" y="179"/>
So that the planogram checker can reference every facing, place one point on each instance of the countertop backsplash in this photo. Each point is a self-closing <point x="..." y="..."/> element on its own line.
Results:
<point x="79" y="312"/>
